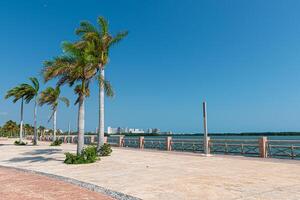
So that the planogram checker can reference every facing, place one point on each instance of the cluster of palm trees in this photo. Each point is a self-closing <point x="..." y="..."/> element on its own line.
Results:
<point x="82" y="61"/>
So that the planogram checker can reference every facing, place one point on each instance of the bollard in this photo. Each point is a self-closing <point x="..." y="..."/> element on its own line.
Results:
<point x="121" y="140"/>
<point x="141" y="142"/>
<point x="262" y="142"/>
<point x="168" y="143"/>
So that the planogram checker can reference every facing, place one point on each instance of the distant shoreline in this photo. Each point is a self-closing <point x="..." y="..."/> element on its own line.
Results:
<point x="210" y="134"/>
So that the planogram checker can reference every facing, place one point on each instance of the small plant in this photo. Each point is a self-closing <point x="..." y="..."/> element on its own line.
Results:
<point x="56" y="143"/>
<point x="88" y="155"/>
<point x="105" y="150"/>
<point x="18" y="142"/>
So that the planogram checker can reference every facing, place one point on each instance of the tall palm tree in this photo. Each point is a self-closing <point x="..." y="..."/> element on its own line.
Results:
<point x="31" y="92"/>
<point x="26" y="92"/>
<point x="51" y="96"/>
<point x="17" y="93"/>
<point x="99" y="42"/>
<point x="73" y="67"/>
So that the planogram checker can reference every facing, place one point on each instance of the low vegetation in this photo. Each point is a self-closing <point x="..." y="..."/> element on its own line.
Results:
<point x="105" y="150"/>
<point x="88" y="155"/>
<point x="56" y="143"/>
<point x="18" y="142"/>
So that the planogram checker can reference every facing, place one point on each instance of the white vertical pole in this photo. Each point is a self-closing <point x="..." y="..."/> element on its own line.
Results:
<point x="205" y="141"/>
<point x="69" y="131"/>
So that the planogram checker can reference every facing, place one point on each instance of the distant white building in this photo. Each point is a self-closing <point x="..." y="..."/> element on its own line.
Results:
<point x="111" y="130"/>
<point x="119" y="130"/>
<point x="135" y="130"/>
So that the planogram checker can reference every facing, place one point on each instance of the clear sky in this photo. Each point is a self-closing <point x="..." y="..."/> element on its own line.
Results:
<point x="242" y="57"/>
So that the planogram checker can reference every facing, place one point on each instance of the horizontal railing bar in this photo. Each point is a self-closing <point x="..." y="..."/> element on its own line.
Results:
<point x="193" y="140"/>
<point x="284" y="141"/>
<point x="224" y="144"/>
<point x="227" y="140"/>
<point x="284" y="146"/>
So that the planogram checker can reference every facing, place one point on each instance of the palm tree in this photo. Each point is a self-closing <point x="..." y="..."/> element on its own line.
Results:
<point x="51" y="96"/>
<point x="31" y="92"/>
<point x="10" y="127"/>
<point x="99" y="43"/>
<point x="17" y="93"/>
<point x="73" y="67"/>
<point x="26" y="92"/>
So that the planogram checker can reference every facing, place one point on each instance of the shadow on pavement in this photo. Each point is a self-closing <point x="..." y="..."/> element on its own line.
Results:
<point x="32" y="159"/>
<point x="42" y="151"/>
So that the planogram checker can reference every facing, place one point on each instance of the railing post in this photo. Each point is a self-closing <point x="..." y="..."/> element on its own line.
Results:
<point x="141" y="142"/>
<point x="263" y="147"/>
<point x="168" y="143"/>
<point x="208" y="144"/>
<point x="65" y="139"/>
<point x="72" y="139"/>
<point x="92" y="139"/>
<point x="121" y="137"/>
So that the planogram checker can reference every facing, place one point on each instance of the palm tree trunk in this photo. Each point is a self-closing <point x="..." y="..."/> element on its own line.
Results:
<point x="101" y="111"/>
<point x="21" y="122"/>
<point x="35" y="128"/>
<point x="80" y="140"/>
<point x="54" y="125"/>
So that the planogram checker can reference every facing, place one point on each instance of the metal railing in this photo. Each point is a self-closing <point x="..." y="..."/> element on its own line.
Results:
<point x="155" y="143"/>
<point x="190" y="145"/>
<point x="131" y="142"/>
<point x="114" y="141"/>
<point x="284" y="148"/>
<point x="240" y="147"/>
<point x="249" y="147"/>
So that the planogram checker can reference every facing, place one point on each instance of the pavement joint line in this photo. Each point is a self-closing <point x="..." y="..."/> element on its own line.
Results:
<point x="89" y="186"/>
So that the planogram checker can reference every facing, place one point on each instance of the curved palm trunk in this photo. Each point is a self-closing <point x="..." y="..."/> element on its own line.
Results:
<point x="54" y="125"/>
<point x="35" y="128"/>
<point x="101" y="112"/>
<point x="80" y="141"/>
<point x="21" y="122"/>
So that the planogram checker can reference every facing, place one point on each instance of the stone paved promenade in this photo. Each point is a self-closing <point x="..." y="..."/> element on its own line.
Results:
<point x="16" y="185"/>
<point x="167" y="175"/>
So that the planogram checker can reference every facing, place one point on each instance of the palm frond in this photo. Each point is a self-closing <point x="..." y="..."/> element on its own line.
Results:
<point x="118" y="38"/>
<point x="35" y="83"/>
<point x="107" y="86"/>
<point x="85" y="27"/>
<point x="65" y="100"/>
<point x="103" y="23"/>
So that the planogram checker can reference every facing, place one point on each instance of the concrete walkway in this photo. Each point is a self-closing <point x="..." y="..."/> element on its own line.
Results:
<point x="167" y="175"/>
<point x="17" y="185"/>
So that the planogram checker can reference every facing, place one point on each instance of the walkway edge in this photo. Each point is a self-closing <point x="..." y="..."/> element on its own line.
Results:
<point x="89" y="186"/>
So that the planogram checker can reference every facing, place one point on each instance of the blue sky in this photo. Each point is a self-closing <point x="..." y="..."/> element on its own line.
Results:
<point x="242" y="57"/>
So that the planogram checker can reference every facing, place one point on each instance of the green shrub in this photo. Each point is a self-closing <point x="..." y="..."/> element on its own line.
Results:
<point x="18" y="142"/>
<point x="88" y="155"/>
<point x="56" y="143"/>
<point x="105" y="150"/>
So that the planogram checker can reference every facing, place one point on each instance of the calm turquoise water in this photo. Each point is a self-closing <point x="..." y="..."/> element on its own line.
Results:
<point x="231" y="137"/>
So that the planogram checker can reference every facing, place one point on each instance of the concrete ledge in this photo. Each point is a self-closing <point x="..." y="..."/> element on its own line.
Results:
<point x="89" y="186"/>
